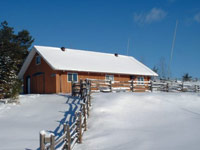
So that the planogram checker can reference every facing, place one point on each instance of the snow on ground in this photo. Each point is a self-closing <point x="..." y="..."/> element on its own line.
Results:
<point x="118" y="121"/>
<point x="143" y="121"/>
<point x="20" y="124"/>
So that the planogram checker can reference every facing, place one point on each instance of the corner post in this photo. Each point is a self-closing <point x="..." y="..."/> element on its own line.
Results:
<point x="42" y="137"/>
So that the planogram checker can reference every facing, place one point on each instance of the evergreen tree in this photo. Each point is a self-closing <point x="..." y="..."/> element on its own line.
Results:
<point x="13" y="51"/>
<point x="186" y="77"/>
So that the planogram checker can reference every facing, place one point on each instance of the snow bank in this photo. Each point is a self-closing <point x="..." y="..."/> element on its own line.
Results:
<point x="143" y="121"/>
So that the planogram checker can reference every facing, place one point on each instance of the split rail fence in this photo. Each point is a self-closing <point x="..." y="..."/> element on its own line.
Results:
<point x="73" y="133"/>
<point x="142" y="86"/>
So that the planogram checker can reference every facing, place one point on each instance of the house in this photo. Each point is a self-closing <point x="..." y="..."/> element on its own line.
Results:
<point x="52" y="69"/>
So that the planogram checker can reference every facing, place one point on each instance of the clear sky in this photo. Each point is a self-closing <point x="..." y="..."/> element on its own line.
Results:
<point x="106" y="26"/>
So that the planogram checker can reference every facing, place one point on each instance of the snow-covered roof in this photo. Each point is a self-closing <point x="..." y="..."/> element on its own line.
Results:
<point x="87" y="61"/>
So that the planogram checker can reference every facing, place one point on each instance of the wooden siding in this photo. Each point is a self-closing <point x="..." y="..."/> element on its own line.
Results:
<point x="46" y="80"/>
<point x="64" y="86"/>
<point x="43" y="78"/>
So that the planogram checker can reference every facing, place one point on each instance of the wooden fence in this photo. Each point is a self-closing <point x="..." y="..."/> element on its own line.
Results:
<point x="109" y="86"/>
<point x="142" y="86"/>
<point x="172" y="86"/>
<point x="73" y="133"/>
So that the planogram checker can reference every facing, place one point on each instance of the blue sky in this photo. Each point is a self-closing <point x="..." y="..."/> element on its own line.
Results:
<point x="106" y="26"/>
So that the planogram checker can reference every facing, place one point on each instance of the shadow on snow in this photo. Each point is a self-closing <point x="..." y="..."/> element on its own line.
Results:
<point x="68" y="117"/>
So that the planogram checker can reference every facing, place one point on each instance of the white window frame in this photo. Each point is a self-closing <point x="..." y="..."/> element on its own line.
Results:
<point x="72" y="77"/>
<point x="108" y="75"/>
<point x="140" y="81"/>
<point x="36" y="60"/>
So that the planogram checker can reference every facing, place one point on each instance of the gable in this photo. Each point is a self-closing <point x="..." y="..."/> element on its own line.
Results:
<point x="30" y="63"/>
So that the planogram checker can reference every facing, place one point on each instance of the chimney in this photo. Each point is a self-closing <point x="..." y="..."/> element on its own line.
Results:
<point x="116" y="55"/>
<point x="62" y="48"/>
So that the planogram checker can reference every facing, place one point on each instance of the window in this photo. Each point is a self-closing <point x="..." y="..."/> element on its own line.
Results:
<point x="72" y="77"/>
<point x="132" y="77"/>
<point x="140" y="80"/>
<point x="38" y="60"/>
<point x="110" y="77"/>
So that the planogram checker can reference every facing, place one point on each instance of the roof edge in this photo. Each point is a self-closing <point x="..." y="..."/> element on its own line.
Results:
<point x="28" y="60"/>
<point x="26" y="63"/>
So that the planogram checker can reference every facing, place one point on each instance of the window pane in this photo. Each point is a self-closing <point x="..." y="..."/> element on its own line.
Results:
<point x="69" y="77"/>
<point x="75" y="77"/>
<point x="110" y="77"/>
<point x="38" y="60"/>
<point x="140" y="80"/>
<point x="107" y="77"/>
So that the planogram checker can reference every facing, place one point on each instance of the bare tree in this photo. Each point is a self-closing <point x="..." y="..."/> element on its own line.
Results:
<point x="162" y="68"/>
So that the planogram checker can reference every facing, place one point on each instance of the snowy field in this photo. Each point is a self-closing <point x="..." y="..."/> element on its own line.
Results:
<point x="118" y="121"/>
<point x="143" y="121"/>
<point x="20" y="124"/>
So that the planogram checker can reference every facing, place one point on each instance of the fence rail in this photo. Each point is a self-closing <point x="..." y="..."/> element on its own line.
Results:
<point x="141" y="86"/>
<point x="73" y="133"/>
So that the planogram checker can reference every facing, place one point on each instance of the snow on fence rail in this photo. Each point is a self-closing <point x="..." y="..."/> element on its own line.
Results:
<point x="72" y="134"/>
<point x="141" y="86"/>
<point x="109" y="86"/>
<point x="171" y="86"/>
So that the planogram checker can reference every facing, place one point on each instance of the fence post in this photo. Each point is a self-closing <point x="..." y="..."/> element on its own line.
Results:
<point x="42" y="136"/>
<point x="85" y="117"/>
<point x="151" y="86"/>
<point x="64" y="127"/>
<point x="195" y="88"/>
<point x="132" y="85"/>
<point x="167" y="87"/>
<point x="68" y="138"/>
<point x="80" y="128"/>
<point x="90" y="84"/>
<point x="72" y="88"/>
<point x="182" y="86"/>
<point x="81" y="88"/>
<point x="89" y="95"/>
<point x="65" y="130"/>
<point x="88" y="108"/>
<point x="52" y="142"/>
<point x="110" y="82"/>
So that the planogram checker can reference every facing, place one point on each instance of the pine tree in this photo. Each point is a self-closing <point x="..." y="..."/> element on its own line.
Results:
<point x="186" y="77"/>
<point x="13" y="51"/>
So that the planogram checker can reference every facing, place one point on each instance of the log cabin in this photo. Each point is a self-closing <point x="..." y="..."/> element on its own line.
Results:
<point x="52" y="70"/>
